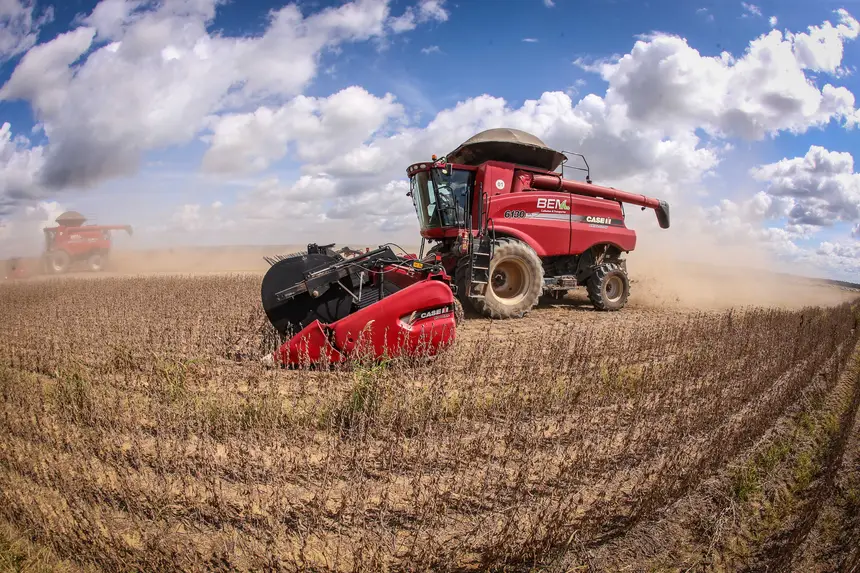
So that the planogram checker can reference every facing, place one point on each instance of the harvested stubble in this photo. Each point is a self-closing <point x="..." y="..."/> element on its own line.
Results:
<point x="141" y="432"/>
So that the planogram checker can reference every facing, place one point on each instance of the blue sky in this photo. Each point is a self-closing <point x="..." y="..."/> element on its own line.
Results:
<point x="201" y="121"/>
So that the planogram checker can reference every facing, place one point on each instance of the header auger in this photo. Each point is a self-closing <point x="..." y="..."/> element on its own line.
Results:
<point x="507" y="227"/>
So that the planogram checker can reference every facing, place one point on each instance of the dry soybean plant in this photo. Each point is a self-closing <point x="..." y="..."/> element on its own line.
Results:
<point x="141" y="432"/>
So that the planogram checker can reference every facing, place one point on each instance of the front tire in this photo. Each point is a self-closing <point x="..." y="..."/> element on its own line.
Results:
<point x="608" y="287"/>
<point x="58" y="262"/>
<point x="459" y="313"/>
<point x="516" y="281"/>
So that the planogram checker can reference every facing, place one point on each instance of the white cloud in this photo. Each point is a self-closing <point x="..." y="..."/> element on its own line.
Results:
<point x="319" y="127"/>
<point x="751" y="9"/>
<point x="163" y="78"/>
<point x="548" y="3"/>
<point x="110" y="17"/>
<point x="811" y="193"/>
<point x="19" y="166"/>
<point x="19" y="29"/>
<point x="665" y="83"/>
<point x="530" y="40"/>
<point x="772" y="21"/>
<point x="842" y="257"/>
<point x="822" y="188"/>
<point x="166" y="81"/>
<point x="426" y="11"/>
<point x="821" y="49"/>
<point x="431" y="50"/>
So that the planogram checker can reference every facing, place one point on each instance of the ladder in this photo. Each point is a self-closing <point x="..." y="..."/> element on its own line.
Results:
<point x="481" y="251"/>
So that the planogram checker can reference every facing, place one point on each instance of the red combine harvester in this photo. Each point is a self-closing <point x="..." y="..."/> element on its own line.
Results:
<point x="72" y="242"/>
<point x="69" y="243"/>
<point x="508" y="229"/>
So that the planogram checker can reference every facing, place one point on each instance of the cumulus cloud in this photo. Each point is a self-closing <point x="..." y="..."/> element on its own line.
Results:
<point x="820" y="188"/>
<point x="20" y="26"/>
<point x="319" y="128"/>
<point x="843" y="257"/>
<point x="19" y="166"/>
<point x="137" y="76"/>
<point x="743" y="226"/>
<point x="772" y="21"/>
<point x="665" y="83"/>
<point x="658" y="96"/>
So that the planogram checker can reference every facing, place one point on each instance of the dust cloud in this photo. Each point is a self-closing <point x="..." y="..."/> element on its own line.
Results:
<point x="674" y="268"/>
<point x="204" y="260"/>
<point x="196" y="260"/>
<point x="695" y="270"/>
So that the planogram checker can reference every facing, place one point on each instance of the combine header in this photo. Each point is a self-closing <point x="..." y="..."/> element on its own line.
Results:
<point x="508" y="229"/>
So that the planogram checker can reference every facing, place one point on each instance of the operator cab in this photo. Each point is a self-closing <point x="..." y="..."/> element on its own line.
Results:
<point x="441" y="190"/>
<point x="441" y="194"/>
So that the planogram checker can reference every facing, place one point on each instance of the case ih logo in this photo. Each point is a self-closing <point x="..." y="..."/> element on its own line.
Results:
<point x="599" y="220"/>
<point x="434" y="312"/>
<point x="554" y="204"/>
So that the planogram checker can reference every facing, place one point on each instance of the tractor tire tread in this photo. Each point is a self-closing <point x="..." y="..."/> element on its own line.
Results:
<point x="461" y="280"/>
<point x="488" y="308"/>
<point x="459" y="313"/>
<point x="595" y="283"/>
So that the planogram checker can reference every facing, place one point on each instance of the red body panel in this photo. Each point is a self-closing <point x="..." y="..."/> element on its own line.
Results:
<point x="555" y="182"/>
<point x="553" y="222"/>
<point x="555" y="216"/>
<point x="404" y="277"/>
<point x="418" y="319"/>
<point x="80" y="241"/>
<point x="547" y="230"/>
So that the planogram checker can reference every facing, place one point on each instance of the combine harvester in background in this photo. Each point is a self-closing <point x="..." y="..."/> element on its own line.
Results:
<point x="69" y="244"/>
<point x="508" y="228"/>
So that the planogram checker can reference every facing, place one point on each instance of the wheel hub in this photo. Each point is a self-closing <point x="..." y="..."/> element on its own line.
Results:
<point x="614" y="288"/>
<point x="509" y="281"/>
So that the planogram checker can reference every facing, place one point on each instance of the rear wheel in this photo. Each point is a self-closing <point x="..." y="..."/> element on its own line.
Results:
<point x="96" y="262"/>
<point x="608" y="287"/>
<point x="516" y="281"/>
